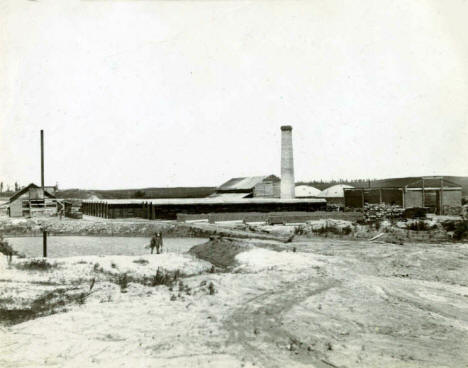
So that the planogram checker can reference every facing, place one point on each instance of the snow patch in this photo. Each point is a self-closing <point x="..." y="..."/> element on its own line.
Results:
<point x="259" y="259"/>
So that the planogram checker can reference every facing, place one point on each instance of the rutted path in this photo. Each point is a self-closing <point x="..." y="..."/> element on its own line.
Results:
<point x="257" y="326"/>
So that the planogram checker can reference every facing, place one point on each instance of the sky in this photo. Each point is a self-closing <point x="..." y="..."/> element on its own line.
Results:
<point x="159" y="93"/>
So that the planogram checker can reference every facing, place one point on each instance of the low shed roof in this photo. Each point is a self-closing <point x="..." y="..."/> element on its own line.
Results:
<point x="246" y="183"/>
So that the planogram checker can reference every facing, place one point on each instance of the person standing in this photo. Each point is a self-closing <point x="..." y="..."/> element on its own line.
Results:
<point x="159" y="243"/>
<point x="153" y="242"/>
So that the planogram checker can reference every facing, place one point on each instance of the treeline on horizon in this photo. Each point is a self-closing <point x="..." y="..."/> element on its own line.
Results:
<point x="181" y="192"/>
<point x="177" y="192"/>
<point x="200" y="192"/>
<point x="324" y="184"/>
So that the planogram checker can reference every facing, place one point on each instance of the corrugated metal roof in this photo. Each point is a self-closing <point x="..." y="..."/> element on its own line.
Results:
<point x="246" y="183"/>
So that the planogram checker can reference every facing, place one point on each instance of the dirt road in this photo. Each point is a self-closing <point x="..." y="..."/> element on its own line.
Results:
<point x="330" y="304"/>
<point x="369" y="305"/>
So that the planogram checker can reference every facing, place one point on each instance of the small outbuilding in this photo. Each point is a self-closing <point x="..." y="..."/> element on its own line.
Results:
<point x="32" y="201"/>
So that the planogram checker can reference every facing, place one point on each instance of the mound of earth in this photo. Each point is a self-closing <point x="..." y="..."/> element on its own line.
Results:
<point x="220" y="252"/>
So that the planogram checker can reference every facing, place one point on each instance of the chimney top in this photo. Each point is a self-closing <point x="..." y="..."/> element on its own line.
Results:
<point x="286" y="127"/>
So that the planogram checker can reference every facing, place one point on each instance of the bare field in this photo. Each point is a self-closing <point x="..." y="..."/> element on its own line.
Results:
<point x="331" y="303"/>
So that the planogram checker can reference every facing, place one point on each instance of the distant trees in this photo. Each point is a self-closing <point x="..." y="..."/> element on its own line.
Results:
<point x="140" y="194"/>
<point x="323" y="184"/>
<point x="6" y="188"/>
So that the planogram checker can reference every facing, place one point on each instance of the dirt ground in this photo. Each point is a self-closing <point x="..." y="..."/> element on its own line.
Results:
<point x="331" y="303"/>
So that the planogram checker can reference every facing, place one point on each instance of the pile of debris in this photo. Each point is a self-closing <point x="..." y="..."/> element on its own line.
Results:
<point x="380" y="212"/>
<point x="453" y="210"/>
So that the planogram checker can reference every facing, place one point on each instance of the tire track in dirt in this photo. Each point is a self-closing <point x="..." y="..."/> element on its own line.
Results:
<point x="258" y="329"/>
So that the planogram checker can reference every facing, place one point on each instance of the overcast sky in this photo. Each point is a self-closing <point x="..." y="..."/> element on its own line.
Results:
<point x="173" y="93"/>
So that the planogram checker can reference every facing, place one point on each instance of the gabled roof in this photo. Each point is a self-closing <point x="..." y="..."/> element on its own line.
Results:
<point x="246" y="183"/>
<point x="26" y="189"/>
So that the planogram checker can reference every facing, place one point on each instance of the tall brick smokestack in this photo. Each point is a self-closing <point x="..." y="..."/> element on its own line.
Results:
<point x="287" y="163"/>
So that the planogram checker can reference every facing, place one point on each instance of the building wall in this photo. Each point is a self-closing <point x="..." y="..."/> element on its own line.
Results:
<point x="354" y="198"/>
<point x="431" y="198"/>
<point x="16" y="208"/>
<point x="338" y="201"/>
<point x="35" y="205"/>
<point x="413" y="199"/>
<point x="267" y="189"/>
<point x="36" y="193"/>
<point x="371" y="196"/>
<point x="392" y="196"/>
<point x="452" y="198"/>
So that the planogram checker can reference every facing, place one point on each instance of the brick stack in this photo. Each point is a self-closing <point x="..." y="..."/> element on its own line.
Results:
<point x="380" y="212"/>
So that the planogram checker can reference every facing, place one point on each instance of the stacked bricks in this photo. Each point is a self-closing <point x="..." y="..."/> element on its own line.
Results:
<point x="379" y="212"/>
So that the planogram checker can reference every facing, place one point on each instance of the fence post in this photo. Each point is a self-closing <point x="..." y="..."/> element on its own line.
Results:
<point x="44" y="243"/>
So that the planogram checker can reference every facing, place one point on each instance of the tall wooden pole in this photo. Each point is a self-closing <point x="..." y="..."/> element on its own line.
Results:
<point x="442" y="195"/>
<point x="44" y="242"/>
<point x="42" y="160"/>
<point x="42" y="166"/>
<point x="423" y="203"/>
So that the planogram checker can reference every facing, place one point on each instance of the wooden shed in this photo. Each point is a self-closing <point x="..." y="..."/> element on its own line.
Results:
<point x="32" y="201"/>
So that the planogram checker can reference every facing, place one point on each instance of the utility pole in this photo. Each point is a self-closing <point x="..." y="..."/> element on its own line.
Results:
<point x="44" y="231"/>
<point x="42" y="160"/>
<point x="44" y="243"/>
